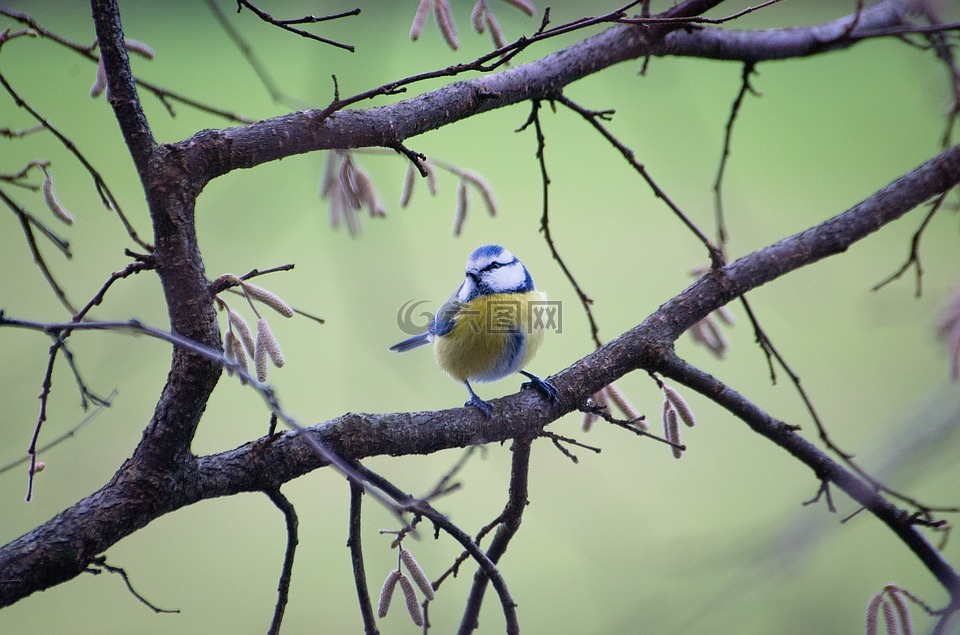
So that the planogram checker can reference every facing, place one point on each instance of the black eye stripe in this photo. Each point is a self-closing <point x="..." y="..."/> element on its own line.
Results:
<point x="496" y="265"/>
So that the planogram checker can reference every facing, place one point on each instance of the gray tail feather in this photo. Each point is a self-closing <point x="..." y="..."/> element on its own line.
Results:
<point x="413" y="342"/>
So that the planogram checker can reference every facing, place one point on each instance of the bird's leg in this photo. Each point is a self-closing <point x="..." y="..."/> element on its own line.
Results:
<point x="478" y="403"/>
<point x="546" y="388"/>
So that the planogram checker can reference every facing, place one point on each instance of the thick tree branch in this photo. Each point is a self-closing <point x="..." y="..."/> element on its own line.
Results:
<point x="779" y="44"/>
<point x="508" y="525"/>
<point x="215" y="152"/>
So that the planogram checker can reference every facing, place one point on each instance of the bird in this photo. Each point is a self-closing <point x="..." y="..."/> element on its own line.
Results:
<point x="491" y="327"/>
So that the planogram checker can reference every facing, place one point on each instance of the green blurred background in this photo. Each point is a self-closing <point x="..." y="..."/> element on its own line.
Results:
<point x="630" y="540"/>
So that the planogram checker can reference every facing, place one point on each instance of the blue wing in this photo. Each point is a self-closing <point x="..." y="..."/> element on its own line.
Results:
<point x="445" y="318"/>
<point x="441" y="324"/>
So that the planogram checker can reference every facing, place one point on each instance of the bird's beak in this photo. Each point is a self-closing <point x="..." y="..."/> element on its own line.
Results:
<point x="473" y="274"/>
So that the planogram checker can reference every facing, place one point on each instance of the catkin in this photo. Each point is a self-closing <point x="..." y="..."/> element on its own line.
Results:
<point x="413" y="606"/>
<point x="444" y="18"/>
<point x="266" y="340"/>
<point x="873" y="613"/>
<point x="329" y="178"/>
<point x="242" y="330"/>
<point x="346" y="175"/>
<point x="495" y="31"/>
<point x="524" y="5"/>
<point x="463" y="205"/>
<point x="477" y="15"/>
<point x="228" y="341"/>
<point x="890" y="619"/>
<point x="409" y="178"/>
<point x="420" y="18"/>
<point x="368" y="194"/>
<point x="139" y="48"/>
<point x="903" y="612"/>
<point x="431" y="178"/>
<point x="680" y="405"/>
<point x="416" y="572"/>
<point x="620" y="401"/>
<point x="236" y="351"/>
<point x="260" y="360"/>
<point x="486" y="192"/>
<point x="717" y="341"/>
<point x="726" y="315"/>
<point x="270" y="299"/>
<point x="50" y="197"/>
<point x="386" y="592"/>
<point x="671" y="428"/>
<point x="99" y="81"/>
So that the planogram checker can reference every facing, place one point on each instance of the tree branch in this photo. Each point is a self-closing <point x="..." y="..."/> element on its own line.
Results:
<point x="212" y="153"/>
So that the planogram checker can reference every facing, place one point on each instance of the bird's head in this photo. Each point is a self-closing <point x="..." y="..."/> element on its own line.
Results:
<point x="493" y="269"/>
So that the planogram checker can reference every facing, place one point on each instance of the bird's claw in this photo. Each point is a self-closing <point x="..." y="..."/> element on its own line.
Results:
<point x="544" y="386"/>
<point x="483" y="406"/>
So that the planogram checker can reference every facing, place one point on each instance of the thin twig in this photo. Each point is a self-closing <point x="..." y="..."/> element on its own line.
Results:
<point x="745" y="87"/>
<point x="591" y="116"/>
<point x="285" y="24"/>
<point x="444" y="485"/>
<point x="283" y="587"/>
<point x="913" y="259"/>
<point x="697" y="19"/>
<point x="585" y="300"/>
<point x="63" y="437"/>
<point x="101" y="561"/>
<point x="558" y="441"/>
<point x="248" y="53"/>
<point x="38" y="258"/>
<point x="354" y="543"/>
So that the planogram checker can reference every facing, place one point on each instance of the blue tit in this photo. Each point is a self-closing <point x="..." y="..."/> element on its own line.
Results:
<point x="490" y="327"/>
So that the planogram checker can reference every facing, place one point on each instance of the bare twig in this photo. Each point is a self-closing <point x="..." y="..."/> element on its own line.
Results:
<point x="101" y="562"/>
<point x="913" y="259"/>
<point x="745" y="87"/>
<point x="697" y="19"/>
<point x="354" y="543"/>
<point x="283" y="587"/>
<point x="27" y="227"/>
<point x="248" y="53"/>
<point x="286" y="24"/>
<point x="63" y="437"/>
<point x="585" y="300"/>
<point x="716" y="256"/>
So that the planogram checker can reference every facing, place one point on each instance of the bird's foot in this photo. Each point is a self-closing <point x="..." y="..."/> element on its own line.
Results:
<point x="545" y="387"/>
<point x="485" y="407"/>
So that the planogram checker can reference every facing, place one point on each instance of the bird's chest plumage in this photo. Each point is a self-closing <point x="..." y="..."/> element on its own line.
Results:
<point x="492" y="336"/>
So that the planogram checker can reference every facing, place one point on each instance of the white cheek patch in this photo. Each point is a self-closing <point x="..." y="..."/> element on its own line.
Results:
<point x="506" y="278"/>
<point x="466" y="290"/>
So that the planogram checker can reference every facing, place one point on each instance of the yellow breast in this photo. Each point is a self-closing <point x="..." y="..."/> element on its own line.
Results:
<point x="493" y="336"/>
